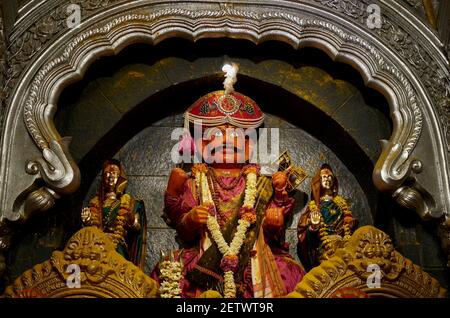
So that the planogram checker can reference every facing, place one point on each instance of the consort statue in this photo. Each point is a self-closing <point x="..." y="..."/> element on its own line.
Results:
<point x="118" y="214"/>
<point x="327" y="221"/>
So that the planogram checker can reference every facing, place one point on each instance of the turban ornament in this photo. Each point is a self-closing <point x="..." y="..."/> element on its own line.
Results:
<point x="221" y="107"/>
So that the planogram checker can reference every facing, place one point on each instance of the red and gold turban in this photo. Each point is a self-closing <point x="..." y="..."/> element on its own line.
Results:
<point x="218" y="108"/>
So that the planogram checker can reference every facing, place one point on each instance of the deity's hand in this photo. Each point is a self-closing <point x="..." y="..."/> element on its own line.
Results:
<point x="136" y="223"/>
<point x="279" y="182"/>
<point x="176" y="181"/>
<point x="314" y="218"/>
<point x="198" y="216"/>
<point x="86" y="215"/>
<point x="274" y="219"/>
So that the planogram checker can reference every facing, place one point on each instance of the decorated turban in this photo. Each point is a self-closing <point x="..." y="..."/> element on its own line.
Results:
<point x="222" y="107"/>
<point x="219" y="108"/>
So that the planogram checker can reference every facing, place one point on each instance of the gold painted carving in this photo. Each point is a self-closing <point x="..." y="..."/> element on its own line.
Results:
<point x="104" y="273"/>
<point x="348" y="268"/>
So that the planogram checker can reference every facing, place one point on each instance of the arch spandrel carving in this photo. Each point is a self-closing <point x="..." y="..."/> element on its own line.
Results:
<point x="103" y="272"/>
<point x="348" y="268"/>
<point x="109" y="275"/>
<point x="413" y="102"/>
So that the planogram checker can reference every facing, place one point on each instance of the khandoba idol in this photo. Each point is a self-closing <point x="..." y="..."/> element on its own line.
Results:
<point x="231" y="218"/>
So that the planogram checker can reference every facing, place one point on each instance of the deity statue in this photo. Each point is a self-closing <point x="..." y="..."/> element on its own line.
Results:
<point x="231" y="218"/>
<point x="118" y="214"/>
<point x="327" y="221"/>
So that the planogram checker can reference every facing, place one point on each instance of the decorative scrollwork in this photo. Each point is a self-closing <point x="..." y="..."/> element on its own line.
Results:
<point x="395" y="163"/>
<point x="352" y="8"/>
<point x="151" y="23"/>
<point x="56" y="167"/>
<point x="435" y="78"/>
<point x="36" y="37"/>
<point x="103" y="272"/>
<point x="25" y="47"/>
<point x="348" y="268"/>
<point x="376" y="248"/>
<point x="60" y="173"/>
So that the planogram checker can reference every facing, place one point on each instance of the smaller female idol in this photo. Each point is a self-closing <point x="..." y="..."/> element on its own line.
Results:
<point x="118" y="214"/>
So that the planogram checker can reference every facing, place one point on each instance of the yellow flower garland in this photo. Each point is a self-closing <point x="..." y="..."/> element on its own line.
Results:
<point x="342" y="203"/>
<point x="214" y="228"/>
<point x="171" y="274"/>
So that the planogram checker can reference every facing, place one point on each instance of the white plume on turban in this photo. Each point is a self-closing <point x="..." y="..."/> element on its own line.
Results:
<point x="231" y="71"/>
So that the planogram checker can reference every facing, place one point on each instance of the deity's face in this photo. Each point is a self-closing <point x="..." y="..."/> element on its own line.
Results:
<point x="226" y="144"/>
<point x="111" y="176"/>
<point x="326" y="179"/>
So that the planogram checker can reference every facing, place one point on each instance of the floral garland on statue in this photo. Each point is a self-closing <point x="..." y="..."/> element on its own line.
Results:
<point x="230" y="259"/>
<point x="342" y="204"/>
<point x="118" y="234"/>
<point x="348" y="217"/>
<point x="171" y="274"/>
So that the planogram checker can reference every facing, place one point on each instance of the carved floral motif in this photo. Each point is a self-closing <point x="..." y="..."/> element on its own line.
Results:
<point x="103" y="272"/>
<point x="348" y="269"/>
<point x="376" y="248"/>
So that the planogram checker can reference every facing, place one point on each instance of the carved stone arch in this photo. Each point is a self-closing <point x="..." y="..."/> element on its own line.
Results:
<point x="405" y="168"/>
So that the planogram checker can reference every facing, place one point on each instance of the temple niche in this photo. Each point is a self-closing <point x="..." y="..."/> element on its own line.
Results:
<point x="124" y="202"/>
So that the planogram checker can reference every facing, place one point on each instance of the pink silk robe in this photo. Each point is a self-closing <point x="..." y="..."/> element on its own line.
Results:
<point x="177" y="206"/>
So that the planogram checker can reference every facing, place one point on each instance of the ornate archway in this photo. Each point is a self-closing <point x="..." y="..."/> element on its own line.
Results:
<point x="413" y="75"/>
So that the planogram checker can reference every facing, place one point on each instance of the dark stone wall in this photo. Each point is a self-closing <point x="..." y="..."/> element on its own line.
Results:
<point x="419" y="242"/>
<point x="116" y="85"/>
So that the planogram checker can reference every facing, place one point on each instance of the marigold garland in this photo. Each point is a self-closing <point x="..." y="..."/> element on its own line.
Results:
<point x="343" y="206"/>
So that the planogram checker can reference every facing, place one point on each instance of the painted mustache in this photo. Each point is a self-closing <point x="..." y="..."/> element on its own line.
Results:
<point x="227" y="148"/>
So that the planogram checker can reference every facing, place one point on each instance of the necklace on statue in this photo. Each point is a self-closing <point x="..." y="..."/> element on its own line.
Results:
<point x="111" y="195"/>
<point x="213" y="186"/>
<point x="222" y="184"/>
<point x="230" y="252"/>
